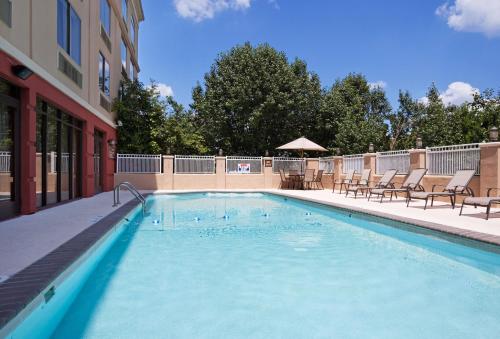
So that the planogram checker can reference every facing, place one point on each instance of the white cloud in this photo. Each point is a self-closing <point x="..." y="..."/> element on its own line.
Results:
<point x="377" y="84"/>
<point x="456" y="94"/>
<point x="199" y="10"/>
<point x="165" y="90"/>
<point x="481" y="16"/>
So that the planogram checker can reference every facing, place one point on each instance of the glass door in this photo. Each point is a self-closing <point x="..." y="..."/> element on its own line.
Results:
<point x="9" y="159"/>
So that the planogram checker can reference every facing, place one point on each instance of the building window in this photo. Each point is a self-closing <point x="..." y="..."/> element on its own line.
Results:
<point x="6" y="12"/>
<point x="103" y="74"/>
<point x="132" y="31"/>
<point x="106" y="16"/>
<point x="123" y="52"/>
<point x="124" y="10"/>
<point x="69" y="30"/>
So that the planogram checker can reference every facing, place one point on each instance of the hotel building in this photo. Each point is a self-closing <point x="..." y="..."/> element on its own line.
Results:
<point x="61" y="63"/>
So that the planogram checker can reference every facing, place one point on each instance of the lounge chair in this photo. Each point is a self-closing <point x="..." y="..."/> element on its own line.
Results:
<point x="308" y="178"/>
<point x="362" y="183"/>
<point x="486" y="201"/>
<point x="384" y="182"/>
<point x="458" y="185"/>
<point x="317" y="179"/>
<point x="344" y="182"/>
<point x="411" y="183"/>
<point x="285" y="182"/>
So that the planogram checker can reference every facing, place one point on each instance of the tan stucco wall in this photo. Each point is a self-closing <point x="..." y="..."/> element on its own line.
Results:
<point x="34" y="33"/>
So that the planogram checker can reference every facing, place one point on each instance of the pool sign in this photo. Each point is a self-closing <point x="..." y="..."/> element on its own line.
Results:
<point x="243" y="168"/>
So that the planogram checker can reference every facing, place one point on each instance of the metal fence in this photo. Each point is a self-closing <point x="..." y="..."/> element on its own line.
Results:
<point x="5" y="158"/>
<point x="446" y="160"/>
<point x="138" y="163"/>
<point x="287" y="164"/>
<point x="353" y="162"/>
<point x="243" y="165"/>
<point x="398" y="160"/>
<point x="326" y="164"/>
<point x="194" y="164"/>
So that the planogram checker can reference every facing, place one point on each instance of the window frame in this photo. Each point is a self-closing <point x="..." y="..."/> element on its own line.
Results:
<point x="105" y="4"/>
<point x="125" y="11"/>
<point x="65" y="33"/>
<point x="104" y="75"/>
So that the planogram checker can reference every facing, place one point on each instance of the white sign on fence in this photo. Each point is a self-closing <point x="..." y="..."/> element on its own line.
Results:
<point x="243" y="168"/>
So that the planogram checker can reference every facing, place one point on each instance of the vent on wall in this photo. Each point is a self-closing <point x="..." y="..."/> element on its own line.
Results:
<point x="105" y="103"/>
<point x="105" y="38"/>
<point x="6" y="12"/>
<point x="71" y="72"/>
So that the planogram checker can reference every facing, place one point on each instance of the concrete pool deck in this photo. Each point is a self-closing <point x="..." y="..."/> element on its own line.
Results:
<point x="25" y="239"/>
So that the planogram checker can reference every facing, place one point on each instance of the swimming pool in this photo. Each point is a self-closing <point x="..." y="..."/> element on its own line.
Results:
<point x="218" y="265"/>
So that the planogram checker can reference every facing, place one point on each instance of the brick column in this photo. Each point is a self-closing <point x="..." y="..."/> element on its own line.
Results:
<point x="369" y="160"/>
<point x="168" y="171"/>
<point x="312" y="163"/>
<point x="268" y="172"/>
<point x="28" y="152"/>
<point x="489" y="166"/>
<point x="337" y="168"/>
<point x="88" y="159"/>
<point x="220" y="171"/>
<point x="417" y="158"/>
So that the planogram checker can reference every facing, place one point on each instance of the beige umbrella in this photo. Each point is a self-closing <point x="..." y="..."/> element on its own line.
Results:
<point x="302" y="144"/>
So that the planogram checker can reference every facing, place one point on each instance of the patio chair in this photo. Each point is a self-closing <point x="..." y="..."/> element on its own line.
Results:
<point x="293" y="176"/>
<point x="363" y="182"/>
<point x="458" y="185"/>
<point x="384" y="182"/>
<point x="411" y="183"/>
<point x="486" y="201"/>
<point x="308" y="178"/>
<point x="317" y="179"/>
<point x="285" y="182"/>
<point x="344" y="182"/>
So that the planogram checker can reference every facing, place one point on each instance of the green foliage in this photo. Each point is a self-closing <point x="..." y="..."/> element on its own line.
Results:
<point x="254" y="99"/>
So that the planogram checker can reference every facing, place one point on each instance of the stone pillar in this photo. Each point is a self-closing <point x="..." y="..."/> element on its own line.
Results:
<point x="417" y="158"/>
<point x="220" y="171"/>
<point x="337" y="168"/>
<point x="28" y="152"/>
<point x="369" y="160"/>
<point x="312" y="163"/>
<point x="268" y="172"/>
<point x="168" y="172"/>
<point x="489" y="167"/>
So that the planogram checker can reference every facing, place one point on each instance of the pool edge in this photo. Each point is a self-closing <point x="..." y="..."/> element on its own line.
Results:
<point x="24" y="290"/>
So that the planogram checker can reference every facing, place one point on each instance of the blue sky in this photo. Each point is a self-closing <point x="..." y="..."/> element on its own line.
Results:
<point x="400" y="44"/>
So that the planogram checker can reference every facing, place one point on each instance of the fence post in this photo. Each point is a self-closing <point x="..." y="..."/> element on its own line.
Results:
<point x="268" y="172"/>
<point x="312" y="163"/>
<point x="220" y="171"/>
<point x="489" y="167"/>
<point x="417" y="158"/>
<point x="369" y="162"/>
<point x="168" y="171"/>
<point x="337" y="168"/>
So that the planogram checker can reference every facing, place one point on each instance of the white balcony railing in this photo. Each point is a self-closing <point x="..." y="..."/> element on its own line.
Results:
<point x="5" y="159"/>
<point x="326" y="164"/>
<point x="398" y="160"/>
<point x="287" y="164"/>
<point x="194" y="164"/>
<point x="243" y="165"/>
<point x="353" y="162"/>
<point x="138" y="163"/>
<point x="446" y="160"/>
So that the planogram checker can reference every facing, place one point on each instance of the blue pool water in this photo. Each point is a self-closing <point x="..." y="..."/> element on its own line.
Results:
<point x="259" y="266"/>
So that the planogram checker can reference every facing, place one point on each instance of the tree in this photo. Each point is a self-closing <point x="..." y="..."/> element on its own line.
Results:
<point x="402" y="122"/>
<point x="353" y="116"/>
<point x="254" y="100"/>
<point x="141" y="114"/>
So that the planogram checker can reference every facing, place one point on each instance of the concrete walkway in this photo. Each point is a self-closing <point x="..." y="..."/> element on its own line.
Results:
<point x="25" y="239"/>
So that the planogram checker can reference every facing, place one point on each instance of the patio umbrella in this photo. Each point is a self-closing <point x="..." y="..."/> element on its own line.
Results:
<point x="302" y="144"/>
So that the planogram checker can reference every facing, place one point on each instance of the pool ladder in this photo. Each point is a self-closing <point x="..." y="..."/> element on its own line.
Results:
<point x="132" y="189"/>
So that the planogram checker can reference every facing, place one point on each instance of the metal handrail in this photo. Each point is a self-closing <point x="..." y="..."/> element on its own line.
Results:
<point x="132" y="189"/>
